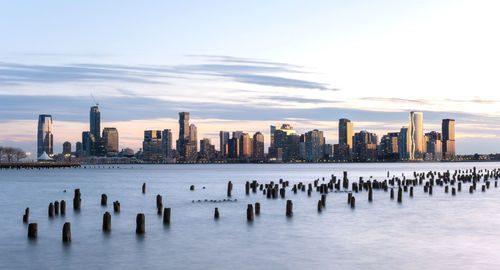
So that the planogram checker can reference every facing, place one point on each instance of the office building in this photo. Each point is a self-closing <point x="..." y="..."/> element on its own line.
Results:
<point x="434" y="146"/>
<point x="314" y="144"/>
<point x="404" y="143"/>
<point x="66" y="148"/>
<point x="258" y="146"/>
<point x="166" y="143"/>
<point x="110" y="140"/>
<point x="416" y="135"/>
<point x="223" y="141"/>
<point x="45" y="135"/>
<point x="95" y="122"/>
<point x="152" y="145"/>
<point x="365" y="146"/>
<point x="183" y="133"/>
<point x="389" y="146"/>
<point x="448" y="143"/>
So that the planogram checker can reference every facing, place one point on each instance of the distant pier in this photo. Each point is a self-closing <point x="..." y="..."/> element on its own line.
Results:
<point x="38" y="165"/>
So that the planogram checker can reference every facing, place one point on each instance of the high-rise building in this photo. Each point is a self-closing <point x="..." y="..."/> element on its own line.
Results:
<point x="365" y="146"/>
<point x="66" y="148"/>
<point x="258" y="146"/>
<point x="404" y="143"/>
<point x="272" y="130"/>
<point x="88" y="141"/>
<point x="223" y="141"/>
<point x="207" y="150"/>
<point x="45" y="136"/>
<point x="95" y="122"/>
<point x="286" y="138"/>
<point x="434" y="146"/>
<point x="346" y="131"/>
<point x="417" y="135"/>
<point x="110" y="139"/>
<point x="448" y="130"/>
<point x="192" y="144"/>
<point x="234" y="148"/>
<point x="245" y="146"/>
<point x="79" y="149"/>
<point x="389" y="146"/>
<point x="314" y="144"/>
<point x="152" y="145"/>
<point x="183" y="133"/>
<point x="166" y="143"/>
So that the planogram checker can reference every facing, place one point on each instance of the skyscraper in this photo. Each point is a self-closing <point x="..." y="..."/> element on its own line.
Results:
<point x="183" y="133"/>
<point x="152" y="145"/>
<point x="448" y="130"/>
<point x="95" y="122"/>
<point x="245" y="145"/>
<point x="434" y="146"/>
<point x="389" y="146"/>
<point x="111" y="140"/>
<point x="223" y="141"/>
<point x="258" y="146"/>
<point x="207" y="150"/>
<point x="314" y="145"/>
<point x="191" y="145"/>
<point x="365" y="146"/>
<point x="272" y="130"/>
<point x="88" y="141"/>
<point x="404" y="143"/>
<point x="166" y="143"/>
<point x="417" y="135"/>
<point x="346" y="131"/>
<point x="45" y="137"/>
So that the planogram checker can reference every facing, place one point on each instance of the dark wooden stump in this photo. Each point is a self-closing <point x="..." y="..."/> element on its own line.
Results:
<point x="250" y="214"/>
<point x="104" y="199"/>
<point x="257" y="208"/>
<point x="353" y="202"/>
<point x="143" y="187"/>
<point x="26" y="215"/>
<point x="216" y="213"/>
<point x="116" y="206"/>
<point x="140" y="222"/>
<point x="166" y="215"/>
<point x="32" y="230"/>
<point x="320" y="206"/>
<point x="106" y="222"/>
<point x="66" y="232"/>
<point x="51" y="210"/>
<point x="77" y="200"/>
<point x="289" y="208"/>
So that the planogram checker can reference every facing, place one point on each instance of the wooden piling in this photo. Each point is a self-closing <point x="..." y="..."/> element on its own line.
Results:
<point x="229" y="188"/>
<point x="116" y="206"/>
<point x="26" y="215"/>
<point x="323" y="200"/>
<point x="66" y="232"/>
<point x="400" y="195"/>
<point x="140" y="222"/>
<point x="32" y="230"/>
<point x="106" y="222"/>
<point x="392" y="193"/>
<point x="166" y="215"/>
<point x="191" y="187"/>
<point x="216" y="213"/>
<point x="56" y="208"/>
<point x="62" y="207"/>
<point x="370" y="194"/>
<point x="104" y="199"/>
<point x="411" y="191"/>
<point x="51" y="210"/>
<point x="453" y="191"/>
<point x="250" y="214"/>
<point x="320" y="206"/>
<point x="353" y="202"/>
<point x="471" y="189"/>
<point x="289" y="208"/>
<point x="257" y="208"/>
<point x="77" y="200"/>
<point x="143" y="187"/>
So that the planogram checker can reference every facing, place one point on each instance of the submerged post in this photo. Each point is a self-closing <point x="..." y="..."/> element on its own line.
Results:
<point x="257" y="208"/>
<point x="62" y="205"/>
<point x="166" y="215"/>
<point x="216" y="213"/>
<point x="289" y="208"/>
<point x="32" y="230"/>
<point x="140" y="224"/>
<point x="66" y="232"/>
<point x="77" y="200"/>
<point x="143" y="187"/>
<point x="250" y="215"/>
<point x="106" y="222"/>
<point x="104" y="199"/>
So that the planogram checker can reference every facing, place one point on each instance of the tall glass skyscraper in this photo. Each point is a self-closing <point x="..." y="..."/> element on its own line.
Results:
<point x="111" y="140"/>
<point x="95" y="122"/>
<point x="45" y="137"/>
<point x="346" y="131"/>
<point x="183" y="133"/>
<point x="448" y="144"/>
<point x="416" y="135"/>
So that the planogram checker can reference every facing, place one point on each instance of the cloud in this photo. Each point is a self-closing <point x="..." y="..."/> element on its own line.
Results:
<point x="246" y="71"/>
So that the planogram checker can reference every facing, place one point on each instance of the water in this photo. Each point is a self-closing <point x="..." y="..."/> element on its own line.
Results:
<point x="424" y="232"/>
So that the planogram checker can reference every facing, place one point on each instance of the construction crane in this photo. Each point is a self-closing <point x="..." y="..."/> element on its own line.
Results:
<point x="96" y="103"/>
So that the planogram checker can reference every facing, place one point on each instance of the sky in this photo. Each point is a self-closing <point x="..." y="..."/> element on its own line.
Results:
<point x="245" y="65"/>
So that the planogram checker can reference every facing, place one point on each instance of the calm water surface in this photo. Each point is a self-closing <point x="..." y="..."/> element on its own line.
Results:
<point x="424" y="232"/>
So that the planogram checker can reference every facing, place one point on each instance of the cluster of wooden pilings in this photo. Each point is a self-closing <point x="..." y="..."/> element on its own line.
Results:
<point x="37" y="166"/>
<point x="271" y="190"/>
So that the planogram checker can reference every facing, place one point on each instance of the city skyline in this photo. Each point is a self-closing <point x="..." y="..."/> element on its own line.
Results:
<point x="285" y="144"/>
<point x="370" y="63"/>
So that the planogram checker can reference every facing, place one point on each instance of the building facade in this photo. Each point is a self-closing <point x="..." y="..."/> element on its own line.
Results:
<point x="45" y="135"/>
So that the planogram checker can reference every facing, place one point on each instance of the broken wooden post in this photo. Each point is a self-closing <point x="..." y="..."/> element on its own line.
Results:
<point x="62" y="207"/>
<point x="191" y="187"/>
<point x="104" y="199"/>
<point x="250" y="214"/>
<point x="51" y="210"/>
<point x="400" y="195"/>
<point x="66" y="232"/>
<point x="32" y="230"/>
<point x="370" y="194"/>
<point x="166" y="215"/>
<point x="320" y="206"/>
<point x="257" y="208"/>
<point x="77" y="200"/>
<point x="289" y="208"/>
<point x="143" y="187"/>
<point x="26" y="215"/>
<point x="229" y="188"/>
<point x="106" y="222"/>
<point x="140" y="224"/>
<point x="353" y="202"/>
<point x="216" y="213"/>
<point x="116" y="206"/>
<point x="323" y="200"/>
